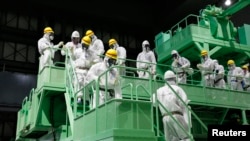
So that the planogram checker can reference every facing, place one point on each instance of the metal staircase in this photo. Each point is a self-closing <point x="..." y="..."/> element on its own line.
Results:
<point x="51" y="110"/>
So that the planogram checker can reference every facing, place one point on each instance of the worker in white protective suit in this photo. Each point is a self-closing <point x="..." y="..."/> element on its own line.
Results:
<point x="47" y="48"/>
<point x="235" y="76"/>
<point x="181" y="66"/>
<point x="219" y="73"/>
<point x="72" y="45"/>
<point x="110" y="87"/>
<point x="207" y="68"/>
<point x="171" y="100"/>
<point x="246" y="78"/>
<point x="146" y="61"/>
<point x="96" y="45"/>
<point x="121" y="55"/>
<point x="82" y="64"/>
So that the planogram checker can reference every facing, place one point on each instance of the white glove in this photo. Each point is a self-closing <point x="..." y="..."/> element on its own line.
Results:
<point x="119" y="62"/>
<point x="199" y="66"/>
<point x="63" y="52"/>
<point x="96" y="60"/>
<point x="176" y="61"/>
<point x="116" y="82"/>
<point x="153" y="72"/>
<point x="60" y="44"/>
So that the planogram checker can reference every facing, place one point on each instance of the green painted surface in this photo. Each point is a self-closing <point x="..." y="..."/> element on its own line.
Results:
<point x="51" y="111"/>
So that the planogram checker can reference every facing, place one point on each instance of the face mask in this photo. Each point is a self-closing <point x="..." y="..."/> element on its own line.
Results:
<point x="112" y="46"/>
<point x="92" y="38"/>
<point x="245" y="70"/>
<point x="84" y="46"/>
<point x="111" y="62"/>
<point x="204" y="58"/>
<point x="75" y="40"/>
<point x="147" y="47"/>
<point x="171" y="81"/>
<point x="174" y="56"/>
<point x="51" y="36"/>
<point x="230" y="67"/>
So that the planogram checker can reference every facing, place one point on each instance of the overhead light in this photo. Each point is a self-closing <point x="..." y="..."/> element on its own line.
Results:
<point x="228" y="2"/>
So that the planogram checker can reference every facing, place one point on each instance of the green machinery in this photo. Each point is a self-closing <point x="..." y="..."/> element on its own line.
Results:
<point x="51" y="112"/>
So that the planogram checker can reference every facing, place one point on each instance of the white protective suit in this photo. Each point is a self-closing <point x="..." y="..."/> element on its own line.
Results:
<point x="235" y="78"/>
<point x="180" y="66"/>
<point x="72" y="45"/>
<point x="174" y="105"/>
<point x="207" y="68"/>
<point x="82" y="64"/>
<point x="147" y="56"/>
<point x="121" y="55"/>
<point x="47" y="50"/>
<point x="246" y="78"/>
<point x="113" y="84"/>
<point x="219" y="72"/>
<point x="97" y="47"/>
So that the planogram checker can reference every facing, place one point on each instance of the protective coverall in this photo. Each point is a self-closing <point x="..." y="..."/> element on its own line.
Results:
<point x="219" y="72"/>
<point x="121" y="55"/>
<point x="112" y="83"/>
<point x="46" y="48"/>
<point x="176" y="107"/>
<point x="148" y="57"/>
<point x="246" y="78"/>
<point x="235" y="76"/>
<point x="207" y="68"/>
<point x="96" y="46"/>
<point x="180" y="66"/>
<point x="72" y="45"/>
<point x="82" y="64"/>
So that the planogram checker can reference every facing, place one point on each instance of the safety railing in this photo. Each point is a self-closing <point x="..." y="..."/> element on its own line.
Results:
<point x="71" y="78"/>
<point x="195" y="79"/>
<point x="105" y="74"/>
<point x="49" y="63"/>
<point x="190" y="19"/>
<point x="25" y="112"/>
<point x="187" y="132"/>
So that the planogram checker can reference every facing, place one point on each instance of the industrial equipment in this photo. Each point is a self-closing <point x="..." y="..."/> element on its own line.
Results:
<point x="51" y="112"/>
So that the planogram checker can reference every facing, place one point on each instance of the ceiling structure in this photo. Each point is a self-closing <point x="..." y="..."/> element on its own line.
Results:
<point x="138" y="17"/>
<point x="154" y="15"/>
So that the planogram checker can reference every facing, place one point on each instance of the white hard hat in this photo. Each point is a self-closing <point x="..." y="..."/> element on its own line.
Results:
<point x="75" y="34"/>
<point x="174" y="52"/>
<point x="169" y="74"/>
<point x="215" y="61"/>
<point x="145" y="42"/>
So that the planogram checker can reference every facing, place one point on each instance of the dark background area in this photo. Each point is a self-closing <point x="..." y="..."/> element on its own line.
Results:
<point x="138" y="19"/>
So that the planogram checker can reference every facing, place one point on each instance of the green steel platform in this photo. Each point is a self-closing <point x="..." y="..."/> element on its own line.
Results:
<point x="51" y="112"/>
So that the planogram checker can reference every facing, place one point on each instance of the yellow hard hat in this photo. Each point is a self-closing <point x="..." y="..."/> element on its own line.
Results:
<point x="112" y="41"/>
<point x="89" y="33"/>
<point x="244" y="67"/>
<point x="203" y="52"/>
<point x="111" y="53"/>
<point x="86" y="40"/>
<point x="230" y="62"/>
<point x="48" y="30"/>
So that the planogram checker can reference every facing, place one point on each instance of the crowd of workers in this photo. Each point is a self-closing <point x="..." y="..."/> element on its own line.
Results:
<point x="212" y="72"/>
<point x="86" y="55"/>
